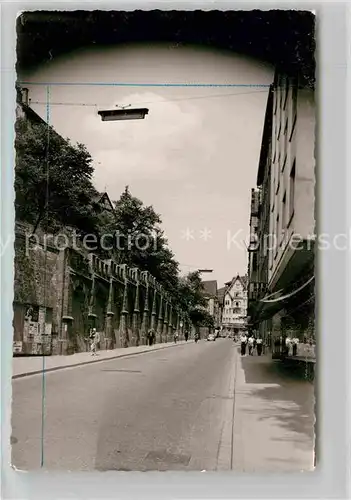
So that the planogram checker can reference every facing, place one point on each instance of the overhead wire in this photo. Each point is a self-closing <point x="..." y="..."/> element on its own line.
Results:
<point x="151" y="102"/>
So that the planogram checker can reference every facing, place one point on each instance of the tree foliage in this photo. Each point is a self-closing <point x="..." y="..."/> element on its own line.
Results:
<point x="190" y="294"/>
<point x="52" y="179"/>
<point x="141" y="241"/>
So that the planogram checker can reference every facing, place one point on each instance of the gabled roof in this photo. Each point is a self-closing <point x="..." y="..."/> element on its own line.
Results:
<point x="104" y="201"/>
<point x="243" y="280"/>
<point x="30" y="114"/>
<point x="210" y="288"/>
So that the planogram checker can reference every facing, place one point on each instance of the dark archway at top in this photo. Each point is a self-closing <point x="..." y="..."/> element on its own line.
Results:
<point x="284" y="38"/>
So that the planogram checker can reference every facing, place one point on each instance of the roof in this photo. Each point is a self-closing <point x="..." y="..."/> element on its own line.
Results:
<point x="243" y="279"/>
<point x="103" y="199"/>
<point x="210" y="287"/>
<point x="30" y="114"/>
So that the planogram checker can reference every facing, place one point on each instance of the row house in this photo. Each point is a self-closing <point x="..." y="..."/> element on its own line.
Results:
<point x="235" y="305"/>
<point x="282" y="226"/>
<point x="210" y="292"/>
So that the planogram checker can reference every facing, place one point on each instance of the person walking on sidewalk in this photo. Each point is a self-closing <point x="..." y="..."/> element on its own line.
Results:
<point x="175" y="337"/>
<point x="186" y="335"/>
<point x="295" y="342"/>
<point x="95" y="339"/>
<point x="243" y="342"/>
<point x="151" y="336"/>
<point x="259" y="344"/>
<point x="251" y="345"/>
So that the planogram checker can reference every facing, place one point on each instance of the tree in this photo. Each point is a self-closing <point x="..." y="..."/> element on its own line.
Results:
<point x="52" y="179"/>
<point x="190" y="295"/>
<point x="140" y="240"/>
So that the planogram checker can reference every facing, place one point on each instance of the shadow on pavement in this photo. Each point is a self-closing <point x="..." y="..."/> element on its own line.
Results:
<point x="291" y="402"/>
<point x="264" y="370"/>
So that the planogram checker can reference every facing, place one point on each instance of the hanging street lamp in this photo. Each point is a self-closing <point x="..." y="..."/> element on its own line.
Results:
<point x="124" y="113"/>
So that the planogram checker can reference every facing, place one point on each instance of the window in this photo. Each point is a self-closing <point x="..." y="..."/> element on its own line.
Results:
<point x="280" y="156"/>
<point x="292" y="191"/>
<point x="281" y="91"/>
<point x="294" y="110"/>
<point x="286" y="92"/>
<point x="283" y="218"/>
<point x="277" y="234"/>
<point x="270" y="260"/>
<point x="286" y="143"/>
<point x="279" y="128"/>
<point x="292" y="128"/>
<point x="278" y="186"/>
<point x="254" y="262"/>
<point x="284" y="210"/>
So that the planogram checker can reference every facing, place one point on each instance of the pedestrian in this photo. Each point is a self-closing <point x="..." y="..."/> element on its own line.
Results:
<point x="151" y="336"/>
<point x="186" y="336"/>
<point x="243" y="341"/>
<point x="175" y="337"/>
<point x="259" y="344"/>
<point x="94" y="340"/>
<point x="295" y="342"/>
<point x="251" y="345"/>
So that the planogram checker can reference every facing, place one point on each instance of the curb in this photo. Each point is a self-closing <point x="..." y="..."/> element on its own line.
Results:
<point x="56" y="368"/>
<point x="225" y="450"/>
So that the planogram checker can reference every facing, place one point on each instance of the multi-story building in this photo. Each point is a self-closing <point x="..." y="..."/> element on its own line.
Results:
<point x="283" y="269"/>
<point x="220" y="298"/>
<point x="210" y="292"/>
<point x="235" y="305"/>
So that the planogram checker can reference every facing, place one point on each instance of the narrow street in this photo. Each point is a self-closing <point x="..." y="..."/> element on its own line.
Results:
<point x="167" y="410"/>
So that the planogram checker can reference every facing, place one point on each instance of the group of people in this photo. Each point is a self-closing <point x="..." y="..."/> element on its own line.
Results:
<point x="287" y="345"/>
<point x="94" y="339"/>
<point x="254" y="342"/>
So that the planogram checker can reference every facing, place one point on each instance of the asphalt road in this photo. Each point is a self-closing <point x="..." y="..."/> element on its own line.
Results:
<point x="164" y="410"/>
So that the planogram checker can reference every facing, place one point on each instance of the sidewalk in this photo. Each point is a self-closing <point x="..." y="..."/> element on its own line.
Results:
<point x="24" y="366"/>
<point x="273" y="418"/>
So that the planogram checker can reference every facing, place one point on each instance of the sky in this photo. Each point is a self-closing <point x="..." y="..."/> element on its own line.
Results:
<point x="195" y="155"/>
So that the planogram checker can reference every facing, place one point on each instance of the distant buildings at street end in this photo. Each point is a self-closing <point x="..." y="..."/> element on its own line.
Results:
<point x="233" y="305"/>
<point x="210" y="293"/>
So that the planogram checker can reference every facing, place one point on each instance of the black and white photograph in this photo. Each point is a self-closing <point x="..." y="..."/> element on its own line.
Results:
<point x="165" y="241"/>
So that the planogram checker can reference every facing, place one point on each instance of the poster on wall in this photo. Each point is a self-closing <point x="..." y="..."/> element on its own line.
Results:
<point x="17" y="347"/>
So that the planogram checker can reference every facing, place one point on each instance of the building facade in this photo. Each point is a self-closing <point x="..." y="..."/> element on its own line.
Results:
<point x="235" y="305"/>
<point x="210" y="292"/>
<point x="281" y="253"/>
<point x="220" y="298"/>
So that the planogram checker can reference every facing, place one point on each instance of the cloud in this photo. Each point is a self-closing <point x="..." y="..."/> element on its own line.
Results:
<point x="163" y="146"/>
